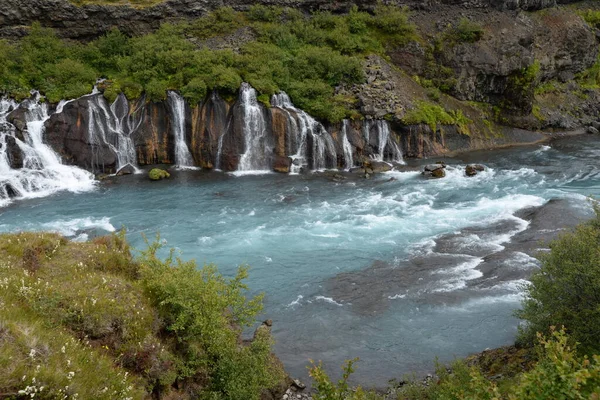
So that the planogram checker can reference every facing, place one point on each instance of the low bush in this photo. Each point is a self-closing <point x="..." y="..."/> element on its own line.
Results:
<point x="565" y="289"/>
<point x="88" y="320"/>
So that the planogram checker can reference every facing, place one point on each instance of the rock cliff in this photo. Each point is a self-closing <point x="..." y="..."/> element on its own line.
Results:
<point x="89" y="21"/>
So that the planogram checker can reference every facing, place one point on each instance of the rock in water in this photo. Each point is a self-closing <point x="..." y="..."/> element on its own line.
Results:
<point x="380" y="166"/>
<point x="156" y="174"/>
<point x="592" y="130"/>
<point x="435" y="170"/>
<point x="282" y="164"/>
<point x="474" y="169"/>
<point x="126" y="170"/>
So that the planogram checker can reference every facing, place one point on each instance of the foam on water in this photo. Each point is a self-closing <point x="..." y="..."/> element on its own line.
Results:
<point x="328" y="300"/>
<point x="74" y="226"/>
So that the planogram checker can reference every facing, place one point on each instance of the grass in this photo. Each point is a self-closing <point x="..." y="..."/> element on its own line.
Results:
<point x="84" y="320"/>
<point x="434" y="115"/>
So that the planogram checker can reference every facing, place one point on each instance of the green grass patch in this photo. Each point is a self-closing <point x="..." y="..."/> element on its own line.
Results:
<point x="88" y="320"/>
<point x="434" y="115"/>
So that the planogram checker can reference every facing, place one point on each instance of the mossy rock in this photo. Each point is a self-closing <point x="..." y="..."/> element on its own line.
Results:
<point x="156" y="174"/>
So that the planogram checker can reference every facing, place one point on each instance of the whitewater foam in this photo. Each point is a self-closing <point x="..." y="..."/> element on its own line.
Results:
<point x="74" y="226"/>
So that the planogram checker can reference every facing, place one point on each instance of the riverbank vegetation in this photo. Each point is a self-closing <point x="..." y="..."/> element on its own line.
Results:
<point x="88" y="321"/>
<point x="279" y="49"/>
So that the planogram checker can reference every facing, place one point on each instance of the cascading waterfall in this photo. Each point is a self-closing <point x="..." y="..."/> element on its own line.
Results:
<point x="346" y="146"/>
<point x="323" y="147"/>
<point x="113" y="126"/>
<point x="257" y="153"/>
<point x="183" y="157"/>
<point x="42" y="172"/>
<point x="386" y="142"/>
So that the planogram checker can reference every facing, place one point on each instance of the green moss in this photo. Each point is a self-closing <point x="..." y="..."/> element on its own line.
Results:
<point x="156" y="174"/>
<point x="537" y="113"/>
<point x="590" y="78"/>
<point x="592" y="17"/>
<point x="434" y="115"/>
<point x="466" y="31"/>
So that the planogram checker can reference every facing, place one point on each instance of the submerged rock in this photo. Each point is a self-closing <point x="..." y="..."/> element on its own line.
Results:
<point x="126" y="170"/>
<point x="435" y="170"/>
<point x="156" y="174"/>
<point x="474" y="169"/>
<point x="592" y="130"/>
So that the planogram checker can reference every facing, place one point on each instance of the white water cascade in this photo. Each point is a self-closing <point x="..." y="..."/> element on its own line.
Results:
<point x="114" y="126"/>
<point x="42" y="172"/>
<point x="386" y="142"/>
<point x="346" y="146"/>
<point x="256" y="152"/>
<point x="303" y="126"/>
<point x="183" y="157"/>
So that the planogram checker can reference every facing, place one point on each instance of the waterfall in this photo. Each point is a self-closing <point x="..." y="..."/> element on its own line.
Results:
<point x="183" y="157"/>
<point x="303" y="126"/>
<point x="256" y="152"/>
<point x="113" y="126"/>
<point x="346" y="146"/>
<point x="42" y="172"/>
<point x="385" y="141"/>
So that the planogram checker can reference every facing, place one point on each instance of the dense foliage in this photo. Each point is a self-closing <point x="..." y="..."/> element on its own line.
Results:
<point x="566" y="290"/>
<point x="85" y="320"/>
<point x="306" y="56"/>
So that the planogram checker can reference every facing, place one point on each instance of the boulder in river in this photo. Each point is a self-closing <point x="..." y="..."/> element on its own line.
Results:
<point x="474" y="169"/>
<point x="282" y="164"/>
<point x="156" y="174"/>
<point x="592" y="130"/>
<point x="379" y="166"/>
<point x="126" y="170"/>
<point x="435" y="170"/>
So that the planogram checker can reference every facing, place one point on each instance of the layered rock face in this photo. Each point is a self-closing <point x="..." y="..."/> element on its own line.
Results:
<point x="103" y="138"/>
<point x="90" y="21"/>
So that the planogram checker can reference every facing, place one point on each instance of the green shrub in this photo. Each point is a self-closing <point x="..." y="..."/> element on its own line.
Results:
<point x="195" y="91"/>
<point x="592" y="17"/>
<point x="393" y="22"/>
<point x="565" y="289"/>
<point x="328" y="390"/>
<point x="468" y="31"/>
<point x="206" y="313"/>
<point x="259" y="12"/>
<point x="590" y="78"/>
<point x="560" y="373"/>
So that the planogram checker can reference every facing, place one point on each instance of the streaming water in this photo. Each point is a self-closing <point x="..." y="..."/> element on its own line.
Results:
<point x="394" y="271"/>
<point x="305" y="128"/>
<point x="113" y="126"/>
<point x="347" y="147"/>
<point x="183" y="157"/>
<point x="257" y="150"/>
<point x="42" y="172"/>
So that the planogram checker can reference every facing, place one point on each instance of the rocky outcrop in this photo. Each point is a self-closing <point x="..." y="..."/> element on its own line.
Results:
<point x="89" y="21"/>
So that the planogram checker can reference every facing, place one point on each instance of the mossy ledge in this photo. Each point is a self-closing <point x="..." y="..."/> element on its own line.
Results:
<point x="88" y="320"/>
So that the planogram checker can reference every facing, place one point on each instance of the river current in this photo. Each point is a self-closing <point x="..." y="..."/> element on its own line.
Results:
<point x="396" y="269"/>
